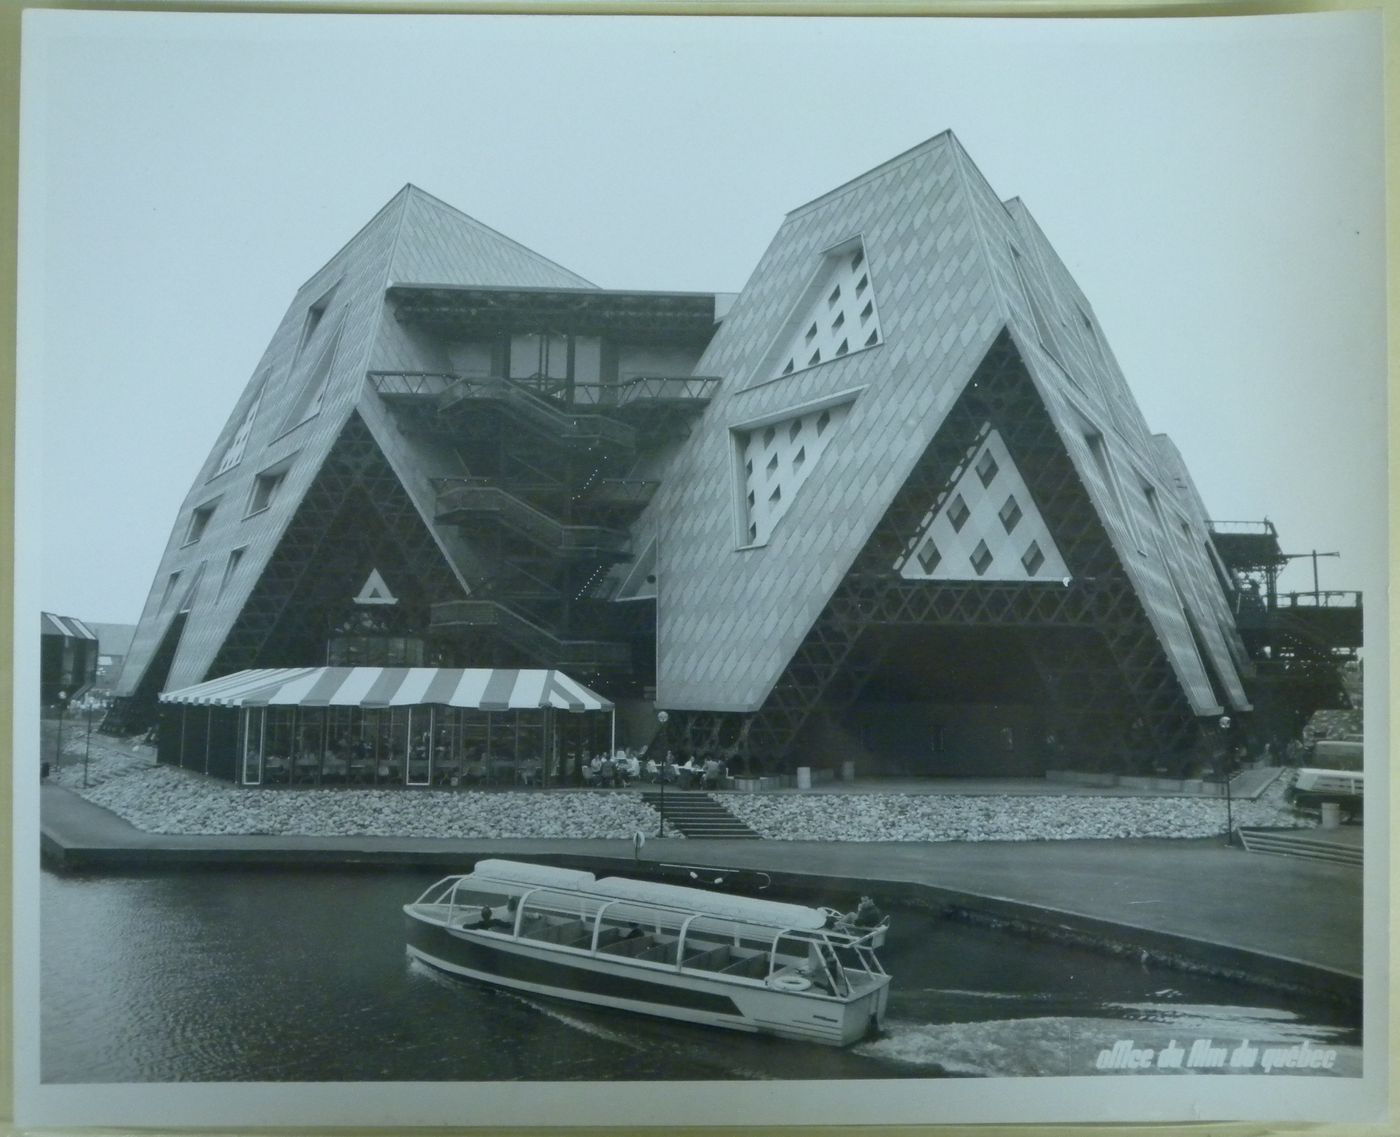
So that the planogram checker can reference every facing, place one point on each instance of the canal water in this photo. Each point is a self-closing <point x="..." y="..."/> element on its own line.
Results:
<point x="208" y="976"/>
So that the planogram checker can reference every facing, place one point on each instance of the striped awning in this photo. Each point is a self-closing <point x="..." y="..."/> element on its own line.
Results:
<point x="66" y="626"/>
<point x="479" y="688"/>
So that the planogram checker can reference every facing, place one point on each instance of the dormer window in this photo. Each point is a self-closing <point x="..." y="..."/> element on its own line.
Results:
<point x="820" y="329"/>
<point x="199" y="521"/>
<point x="266" y="486"/>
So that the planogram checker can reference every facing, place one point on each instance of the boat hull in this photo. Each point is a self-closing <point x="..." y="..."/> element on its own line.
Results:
<point x="657" y="989"/>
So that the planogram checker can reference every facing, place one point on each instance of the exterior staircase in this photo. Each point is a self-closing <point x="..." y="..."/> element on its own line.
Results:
<point x="1339" y="847"/>
<point x="452" y="615"/>
<point x="697" y="814"/>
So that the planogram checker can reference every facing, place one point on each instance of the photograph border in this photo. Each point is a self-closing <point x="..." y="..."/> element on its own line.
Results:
<point x="10" y="20"/>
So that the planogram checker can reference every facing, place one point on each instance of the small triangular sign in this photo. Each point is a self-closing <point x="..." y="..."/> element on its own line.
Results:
<point x="375" y="591"/>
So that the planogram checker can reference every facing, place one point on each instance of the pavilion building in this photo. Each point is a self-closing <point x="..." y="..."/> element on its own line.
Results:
<point x="894" y="503"/>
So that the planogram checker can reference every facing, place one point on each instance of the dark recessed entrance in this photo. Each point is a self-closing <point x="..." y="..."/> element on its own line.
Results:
<point x="951" y="702"/>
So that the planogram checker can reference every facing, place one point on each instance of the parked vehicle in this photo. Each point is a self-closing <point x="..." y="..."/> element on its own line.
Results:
<point x="1315" y="787"/>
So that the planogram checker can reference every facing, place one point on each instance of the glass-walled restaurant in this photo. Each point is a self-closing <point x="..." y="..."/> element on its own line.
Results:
<point x="386" y="726"/>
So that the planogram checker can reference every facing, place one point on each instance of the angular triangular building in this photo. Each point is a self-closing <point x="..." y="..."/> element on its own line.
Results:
<point x="893" y="503"/>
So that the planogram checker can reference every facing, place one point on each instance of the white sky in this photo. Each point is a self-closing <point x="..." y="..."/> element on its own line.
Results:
<point x="1215" y="186"/>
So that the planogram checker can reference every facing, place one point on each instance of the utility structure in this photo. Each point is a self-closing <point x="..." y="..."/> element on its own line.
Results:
<point x="1297" y="640"/>
<point x="893" y="501"/>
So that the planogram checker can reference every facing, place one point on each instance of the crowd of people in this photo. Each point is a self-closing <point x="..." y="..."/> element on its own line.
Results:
<point x="627" y="766"/>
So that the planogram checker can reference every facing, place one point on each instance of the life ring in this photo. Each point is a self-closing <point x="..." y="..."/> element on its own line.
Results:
<point x="790" y="982"/>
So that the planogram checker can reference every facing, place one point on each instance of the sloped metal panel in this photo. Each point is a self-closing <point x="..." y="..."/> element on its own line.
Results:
<point x="414" y="232"/>
<point x="730" y="619"/>
<point x="350" y="285"/>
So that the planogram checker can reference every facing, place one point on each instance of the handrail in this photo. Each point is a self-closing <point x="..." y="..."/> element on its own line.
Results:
<point x="1263" y="528"/>
<point x="631" y="491"/>
<point x="533" y="522"/>
<point x="539" y="641"/>
<point x="417" y="383"/>
<point x="447" y="389"/>
<point x="1325" y="599"/>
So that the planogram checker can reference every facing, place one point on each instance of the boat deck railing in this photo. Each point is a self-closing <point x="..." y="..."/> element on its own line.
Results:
<point x="726" y="944"/>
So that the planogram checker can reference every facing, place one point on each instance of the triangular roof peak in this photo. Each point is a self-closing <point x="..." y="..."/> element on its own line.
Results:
<point x="398" y="201"/>
<point x="913" y="152"/>
<point x="417" y="196"/>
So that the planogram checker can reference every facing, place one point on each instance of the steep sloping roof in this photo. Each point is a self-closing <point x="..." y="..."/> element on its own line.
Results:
<point x="950" y="265"/>
<point x="309" y="381"/>
<point x="730" y="618"/>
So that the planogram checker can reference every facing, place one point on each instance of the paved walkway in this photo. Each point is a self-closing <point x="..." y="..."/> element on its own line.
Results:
<point x="1278" y="917"/>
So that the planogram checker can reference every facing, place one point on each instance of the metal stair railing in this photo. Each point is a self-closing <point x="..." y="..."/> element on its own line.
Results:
<point x="698" y="389"/>
<point x="621" y="492"/>
<point x="447" y="390"/>
<point x="586" y="427"/>
<point x="476" y="495"/>
<point x="527" y="635"/>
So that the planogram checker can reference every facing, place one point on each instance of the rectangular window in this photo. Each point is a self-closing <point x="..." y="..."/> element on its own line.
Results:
<point x="265" y="487"/>
<point x="199" y="521"/>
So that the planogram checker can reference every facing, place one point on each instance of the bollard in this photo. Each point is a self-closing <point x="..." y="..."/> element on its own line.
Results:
<point x="848" y="771"/>
<point x="1331" y="815"/>
<point x="804" y="777"/>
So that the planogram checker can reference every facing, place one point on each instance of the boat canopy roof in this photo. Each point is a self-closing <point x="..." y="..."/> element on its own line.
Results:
<point x="771" y="913"/>
<point x="725" y="905"/>
<point x="521" y="872"/>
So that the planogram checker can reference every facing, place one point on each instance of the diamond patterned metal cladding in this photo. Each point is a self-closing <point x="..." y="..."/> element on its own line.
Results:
<point x="354" y="517"/>
<point x="1109" y="687"/>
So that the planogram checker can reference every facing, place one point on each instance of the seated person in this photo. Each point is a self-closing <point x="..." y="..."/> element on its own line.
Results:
<point x="866" y="915"/>
<point x="489" y="921"/>
<point x="653" y="771"/>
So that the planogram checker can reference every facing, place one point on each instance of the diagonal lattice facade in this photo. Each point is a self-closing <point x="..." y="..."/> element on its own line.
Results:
<point x="1104" y="676"/>
<point x="354" y="519"/>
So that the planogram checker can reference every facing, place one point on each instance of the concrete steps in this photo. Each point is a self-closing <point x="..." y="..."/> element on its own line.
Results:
<point x="1303" y="843"/>
<point x="697" y="814"/>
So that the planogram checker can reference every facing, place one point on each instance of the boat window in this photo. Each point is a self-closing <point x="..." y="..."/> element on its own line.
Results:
<point x="559" y="917"/>
<point x="476" y="897"/>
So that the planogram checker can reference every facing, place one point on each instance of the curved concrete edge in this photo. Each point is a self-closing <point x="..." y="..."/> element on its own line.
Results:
<point x="1094" y="933"/>
<point x="1222" y="960"/>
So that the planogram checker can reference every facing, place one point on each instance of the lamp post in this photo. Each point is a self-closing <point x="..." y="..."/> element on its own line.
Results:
<point x="89" y="705"/>
<point x="1227" y="763"/>
<point x="663" y="718"/>
<point x="58" y="748"/>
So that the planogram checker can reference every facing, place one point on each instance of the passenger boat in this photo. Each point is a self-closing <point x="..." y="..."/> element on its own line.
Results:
<point x="653" y="948"/>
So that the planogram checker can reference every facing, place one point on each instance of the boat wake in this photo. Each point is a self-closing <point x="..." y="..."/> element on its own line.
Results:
<point x="1065" y="1046"/>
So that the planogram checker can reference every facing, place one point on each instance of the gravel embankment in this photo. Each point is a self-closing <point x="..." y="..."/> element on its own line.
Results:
<point x="937" y="817"/>
<point x="160" y="799"/>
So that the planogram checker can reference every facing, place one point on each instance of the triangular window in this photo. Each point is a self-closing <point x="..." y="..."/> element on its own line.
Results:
<point x="375" y="591"/>
<point x="640" y="581"/>
<point x="188" y="602"/>
<point x="987" y="527"/>
<point x="816" y="331"/>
